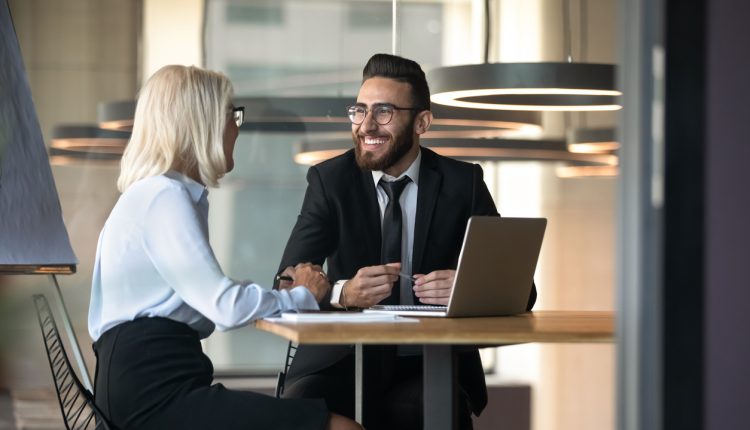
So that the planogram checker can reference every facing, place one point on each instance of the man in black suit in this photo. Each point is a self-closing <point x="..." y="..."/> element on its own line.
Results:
<point x="348" y="220"/>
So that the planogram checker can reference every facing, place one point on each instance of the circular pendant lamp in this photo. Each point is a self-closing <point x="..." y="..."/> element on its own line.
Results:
<point x="527" y="86"/>
<point x="117" y="115"/>
<point x="326" y="118"/>
<point x="571" y="172"/>
<point x="593" y="140"/>
<point x="72" y="144"/>
<point x="541" y="86"/>
<point x="311" y="152"/>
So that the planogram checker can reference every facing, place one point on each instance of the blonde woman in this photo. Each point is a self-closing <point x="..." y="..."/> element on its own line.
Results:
<point x="157" y="288"/>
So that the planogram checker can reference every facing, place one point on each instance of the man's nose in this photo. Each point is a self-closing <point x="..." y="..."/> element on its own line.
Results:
<point x="368" y="123"/>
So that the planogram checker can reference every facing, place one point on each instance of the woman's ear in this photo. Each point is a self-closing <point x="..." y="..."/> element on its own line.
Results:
<point x="422" y="122"/>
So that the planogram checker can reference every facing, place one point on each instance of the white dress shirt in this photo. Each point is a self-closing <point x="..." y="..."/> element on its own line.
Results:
<point x="154" y="260"/>
<point x="408" y="202"/>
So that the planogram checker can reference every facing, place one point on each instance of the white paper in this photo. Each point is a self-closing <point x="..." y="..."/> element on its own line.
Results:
<point x="345" y="317"/>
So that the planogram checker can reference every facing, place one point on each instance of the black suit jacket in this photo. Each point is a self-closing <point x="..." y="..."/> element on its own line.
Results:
<point x="340" y="224"/>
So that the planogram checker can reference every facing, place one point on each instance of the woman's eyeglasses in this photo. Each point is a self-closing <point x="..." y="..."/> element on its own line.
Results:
<point x="238" y="114"/>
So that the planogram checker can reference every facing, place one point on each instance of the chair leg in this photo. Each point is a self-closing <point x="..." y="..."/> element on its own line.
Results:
<point x="280" y="380"/>
<point x="291" y="349"/>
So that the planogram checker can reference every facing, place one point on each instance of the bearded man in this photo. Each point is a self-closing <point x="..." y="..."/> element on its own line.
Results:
<point x="387" y="206"/>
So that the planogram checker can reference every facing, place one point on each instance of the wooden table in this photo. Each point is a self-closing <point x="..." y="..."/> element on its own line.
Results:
<point x="439" y="336"/>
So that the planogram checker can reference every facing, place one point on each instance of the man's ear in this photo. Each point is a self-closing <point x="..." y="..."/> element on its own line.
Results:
<point x="422" y="122"/>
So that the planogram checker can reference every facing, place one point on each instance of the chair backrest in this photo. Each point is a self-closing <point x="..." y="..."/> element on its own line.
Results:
<point x="76" y="402"/>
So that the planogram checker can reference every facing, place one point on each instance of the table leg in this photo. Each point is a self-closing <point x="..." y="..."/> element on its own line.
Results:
<point x="358" y="382"/>
<point x="439" y="387"/>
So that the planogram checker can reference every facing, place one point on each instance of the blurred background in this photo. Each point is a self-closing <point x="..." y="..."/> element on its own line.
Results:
<point x="87" y="58"/>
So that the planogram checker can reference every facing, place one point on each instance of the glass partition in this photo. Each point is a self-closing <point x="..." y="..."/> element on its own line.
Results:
<point x="315" y="50"/>
<point x="291" y="48"/>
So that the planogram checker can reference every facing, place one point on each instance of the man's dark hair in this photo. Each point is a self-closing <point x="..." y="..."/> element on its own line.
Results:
<point x="402" y="70"/>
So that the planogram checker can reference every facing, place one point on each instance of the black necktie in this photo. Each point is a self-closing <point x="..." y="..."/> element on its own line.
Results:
<point x="390" y="250"/>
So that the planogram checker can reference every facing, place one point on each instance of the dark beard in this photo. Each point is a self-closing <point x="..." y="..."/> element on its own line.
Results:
<point x="402" y="144"/>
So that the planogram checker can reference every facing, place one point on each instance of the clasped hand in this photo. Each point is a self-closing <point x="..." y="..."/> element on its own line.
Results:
<point x="308" y="275"/>
<point x="372" y="284"/>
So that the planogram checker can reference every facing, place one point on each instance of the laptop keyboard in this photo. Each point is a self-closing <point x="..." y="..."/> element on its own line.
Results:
<point x="411" y="307"/>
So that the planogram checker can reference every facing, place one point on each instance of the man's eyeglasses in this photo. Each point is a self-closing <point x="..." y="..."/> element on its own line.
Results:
<point x="382" y="113"/>
<point x="238" y="114"/>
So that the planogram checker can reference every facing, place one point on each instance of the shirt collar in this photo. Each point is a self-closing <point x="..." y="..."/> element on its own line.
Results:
<point x="197" y="191"/>
<point x="412" y="172"/>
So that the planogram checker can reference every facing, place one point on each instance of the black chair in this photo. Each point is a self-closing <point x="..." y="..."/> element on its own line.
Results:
<point x="76" y="402"/>
<point x="291" y="349"/>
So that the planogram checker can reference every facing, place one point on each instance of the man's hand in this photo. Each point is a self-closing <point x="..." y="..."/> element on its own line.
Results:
<point x="435" y="287"/>
<point x="370" y="285"/>
<point x="311" y="277"/>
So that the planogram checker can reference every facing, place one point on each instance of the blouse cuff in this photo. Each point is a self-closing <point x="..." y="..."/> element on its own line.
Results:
<point x="302" y="298"/>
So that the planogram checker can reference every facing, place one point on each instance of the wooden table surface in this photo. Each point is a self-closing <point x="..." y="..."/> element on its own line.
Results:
<point x="439" y="337"/>
<point x="539" y="326"/>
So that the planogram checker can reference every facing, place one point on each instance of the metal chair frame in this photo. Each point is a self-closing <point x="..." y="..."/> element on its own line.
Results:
<point x="76" y="402"/>
<point x="291" y="350"/>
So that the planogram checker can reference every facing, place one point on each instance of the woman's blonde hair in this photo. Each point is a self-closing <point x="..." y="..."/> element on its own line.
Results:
<point x="179" y="125"/>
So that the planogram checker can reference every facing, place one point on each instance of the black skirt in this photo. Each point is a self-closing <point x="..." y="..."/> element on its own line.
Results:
<point x="152" y="374"/>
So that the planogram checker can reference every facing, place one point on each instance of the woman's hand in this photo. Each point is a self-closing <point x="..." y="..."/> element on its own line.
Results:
<point x="312" y="277"/>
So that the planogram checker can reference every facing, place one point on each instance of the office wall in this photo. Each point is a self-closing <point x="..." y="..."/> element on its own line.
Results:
<point x="171" y="34"/>
<point x="77" y="53"/>
<point x="572" y="385"/>
<point x="576" y="382"/>
<point x="727" y="236"/>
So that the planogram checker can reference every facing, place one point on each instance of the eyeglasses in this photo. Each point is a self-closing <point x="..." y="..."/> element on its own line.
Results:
<point x="238" y="114"/>
<point x="382" y="113"/>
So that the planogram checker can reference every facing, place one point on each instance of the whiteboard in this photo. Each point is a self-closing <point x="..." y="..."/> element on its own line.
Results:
<point x="33" y="238"/>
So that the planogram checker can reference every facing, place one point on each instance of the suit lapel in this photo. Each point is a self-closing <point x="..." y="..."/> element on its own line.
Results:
<point x="369" y="201"/>
<point x="429" y="186"/>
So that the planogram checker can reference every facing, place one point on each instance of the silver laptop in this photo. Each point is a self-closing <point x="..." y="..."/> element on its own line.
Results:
<point x="495" y="270"/>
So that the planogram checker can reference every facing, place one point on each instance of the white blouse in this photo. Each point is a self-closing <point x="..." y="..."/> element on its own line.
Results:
<point x="154" y="260"/>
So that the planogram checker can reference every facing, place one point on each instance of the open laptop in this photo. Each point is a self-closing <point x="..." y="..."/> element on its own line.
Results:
<point x="495" y="270"/>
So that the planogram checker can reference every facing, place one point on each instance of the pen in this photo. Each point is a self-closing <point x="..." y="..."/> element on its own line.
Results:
<point x="409" y="277"/>
<point x="290" y="279"/>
